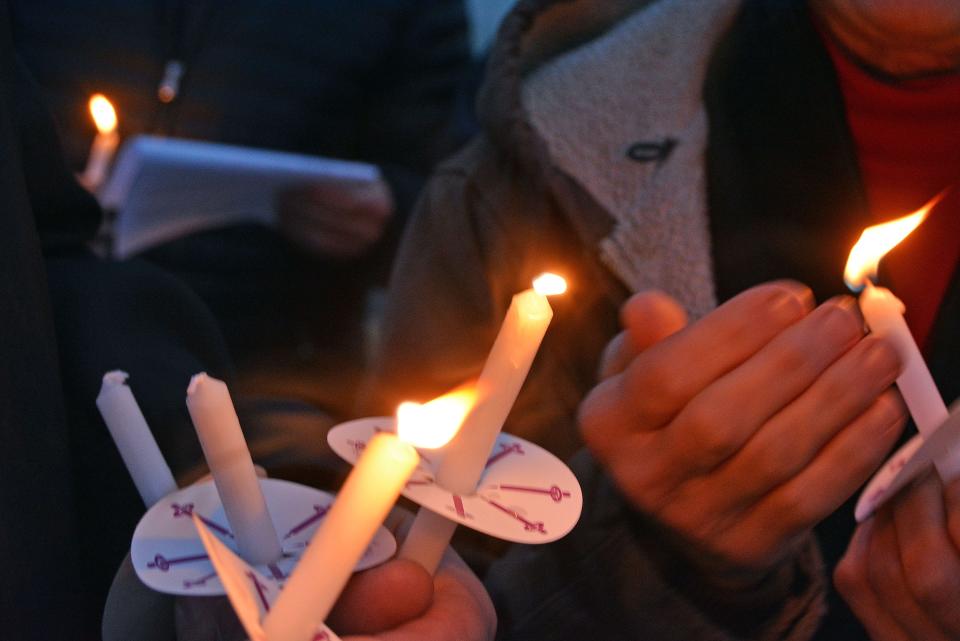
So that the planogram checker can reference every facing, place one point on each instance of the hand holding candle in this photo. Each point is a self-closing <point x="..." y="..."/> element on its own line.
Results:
<point x="739" y="432"/>
<point x="104" y="144"/>
<point x="369" y="492"/>
<point x="398" y="598"/>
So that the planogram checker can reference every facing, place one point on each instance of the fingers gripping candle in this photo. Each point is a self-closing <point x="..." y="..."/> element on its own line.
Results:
<point x="225" y="450"/>
<point x="883" y="312"/>
<point x="132" y="436"/>
<point x="362" y="504"/>
<point x="499" y="384"/>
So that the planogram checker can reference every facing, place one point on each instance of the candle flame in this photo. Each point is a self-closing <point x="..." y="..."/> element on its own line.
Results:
<point x="104" y="115"/>
<point x="435" y="423"/>
<point x="547" y="284"/>
<point x="876" y="241"/>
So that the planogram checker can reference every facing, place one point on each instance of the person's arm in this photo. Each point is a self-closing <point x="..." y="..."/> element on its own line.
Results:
<point x="617" y="577"/>
<point x="66" y="215"/>
<point x="407" y="124"/>
<point x="43" y="599"/>
<point x="406" y="127"/>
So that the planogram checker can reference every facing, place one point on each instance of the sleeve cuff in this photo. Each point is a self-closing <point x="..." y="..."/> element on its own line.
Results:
<point x="611" y="578"/>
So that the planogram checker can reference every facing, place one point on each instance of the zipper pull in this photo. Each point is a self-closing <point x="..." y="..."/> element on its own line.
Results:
<point x="169" y="85"/>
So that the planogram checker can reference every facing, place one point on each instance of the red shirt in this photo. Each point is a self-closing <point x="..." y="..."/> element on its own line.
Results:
<point x="907" y="137"/>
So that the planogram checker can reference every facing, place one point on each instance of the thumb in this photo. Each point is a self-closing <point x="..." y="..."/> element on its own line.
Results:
<point x="650" y="316"/>
<point x="382" y="598"/>
<point x="647" y="318"/>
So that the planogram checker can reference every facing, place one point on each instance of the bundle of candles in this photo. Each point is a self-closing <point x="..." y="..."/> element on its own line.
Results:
<point x="343" y="534"/>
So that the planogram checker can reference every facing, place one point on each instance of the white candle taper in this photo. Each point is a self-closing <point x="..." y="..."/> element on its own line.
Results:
<point x="369" y="492"/>
<point x="228" y="457"/>
<point x="361" y="506"/>
<point x="104" y="144"/>
<point x="504" y="372"/>
<point x="133" y="438"/>
<point x="883" y="313"/>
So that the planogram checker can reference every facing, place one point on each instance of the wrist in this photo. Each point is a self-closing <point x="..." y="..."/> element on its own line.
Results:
<point x="743" y="600"/>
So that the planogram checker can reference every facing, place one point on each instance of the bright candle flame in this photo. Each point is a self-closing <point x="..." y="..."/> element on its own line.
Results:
<point x="548" y="284"/>
<point x="103" y="113"/>
<point x="433" y="424"/>
<point x="876" y="241"/>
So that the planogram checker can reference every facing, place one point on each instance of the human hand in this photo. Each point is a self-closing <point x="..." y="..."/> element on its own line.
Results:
<point x="647" y="318"/>
<point x="743" y="430"/>
<point x="453" y="606"/>
<point x="413" y="606"/>
<point x="901" y="573"/>
<point x="381" y="598"/>
<point x="334" y="217"/>
<point x="395" y="601"/>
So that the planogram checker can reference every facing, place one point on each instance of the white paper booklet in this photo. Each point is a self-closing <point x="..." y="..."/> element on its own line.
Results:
<point x="165" y="188"/>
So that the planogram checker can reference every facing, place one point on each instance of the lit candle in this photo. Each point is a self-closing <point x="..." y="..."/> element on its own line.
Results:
<point x="464" y="459"/>
<point x="226" y="453"/>
<point x="104" y="144"/>
<point x="883" y="312"/>
<point x="362" y="504"/>
<point x="132" y="436"/>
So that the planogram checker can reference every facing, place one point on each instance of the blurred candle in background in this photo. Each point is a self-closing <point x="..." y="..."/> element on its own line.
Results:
<point x="104" y="144"/>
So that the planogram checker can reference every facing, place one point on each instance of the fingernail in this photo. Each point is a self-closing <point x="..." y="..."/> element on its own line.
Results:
<point x="799" y="291"/>
<point x="845" y="302"/>
<point x="882" y="357"/>
<point x="897" y="415"/>
<point x="841" y="318"/>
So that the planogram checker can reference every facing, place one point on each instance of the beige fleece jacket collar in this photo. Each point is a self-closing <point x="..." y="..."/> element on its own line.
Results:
<point x="639" y="82"/>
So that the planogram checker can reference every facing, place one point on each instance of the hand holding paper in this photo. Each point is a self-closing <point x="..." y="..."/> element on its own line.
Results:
<point x="741" y="431"/>
<point x="335" y="217"/>
<point x="166" y="188"/>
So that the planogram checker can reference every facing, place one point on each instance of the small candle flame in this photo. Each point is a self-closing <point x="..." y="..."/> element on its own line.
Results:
<point x="435" y="423"/>
<point x="104" y="115"/>
<point x="548" y="284"/>
<point x="876" y="241"/>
